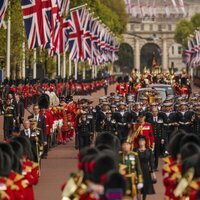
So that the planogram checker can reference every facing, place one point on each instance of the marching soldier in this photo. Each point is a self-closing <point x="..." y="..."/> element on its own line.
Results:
<point x="142" y="128"/>
<point x="158" y="133"/>
<point x="185" y="118"/>
<point x="85" y="129"/>
<point x="19" y="108"/>
<point x="9" y="118"/>
<point x="169" y="122"/>
<point x="101" y="117"/>
<point x="122" y="118"/>
<point x="109" y="124"/>
<point x="133" y="172"/>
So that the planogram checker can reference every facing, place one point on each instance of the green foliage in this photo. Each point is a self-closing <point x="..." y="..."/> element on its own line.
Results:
<point x="109" y="12"/>
<point x="195" y="20"/>
<point x="183" y="29"/>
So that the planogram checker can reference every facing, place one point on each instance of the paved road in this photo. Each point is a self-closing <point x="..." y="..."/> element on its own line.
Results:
<point x="62" y="161"/>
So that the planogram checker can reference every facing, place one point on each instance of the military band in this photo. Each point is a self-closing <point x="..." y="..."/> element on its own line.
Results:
<point x="126" y="132"/>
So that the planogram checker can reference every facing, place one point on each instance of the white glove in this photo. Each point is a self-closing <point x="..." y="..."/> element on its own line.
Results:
<point x="140" y="186"/>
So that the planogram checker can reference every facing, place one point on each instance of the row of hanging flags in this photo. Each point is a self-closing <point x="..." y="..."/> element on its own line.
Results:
<point x="149" y="8"/>
<point x="192" y="53"/>
<point x="52" y="25"/>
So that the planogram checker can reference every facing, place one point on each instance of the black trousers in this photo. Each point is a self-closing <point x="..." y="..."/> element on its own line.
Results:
<point x="83" y="141"/>
<point x="8" y="127"/>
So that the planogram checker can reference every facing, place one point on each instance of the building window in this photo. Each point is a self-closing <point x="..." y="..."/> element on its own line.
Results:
<point x="151" y="27"/>
<point x="132" y="27"/>
<point x="179" y="50"/>
<point x="172" y="65"/>
<point x="142" y="27"/>
<point x="170" y="27"/>
<point x="159" y="27"/>
<point x="173" y="50"/>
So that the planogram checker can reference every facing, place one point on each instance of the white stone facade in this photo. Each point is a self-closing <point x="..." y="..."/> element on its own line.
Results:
<point x="160" y="31"/>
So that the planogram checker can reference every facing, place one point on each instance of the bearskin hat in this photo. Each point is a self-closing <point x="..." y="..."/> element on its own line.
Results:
<point x="102" y="165"/>
<point x="192" y="162"/>
<point x="44" y="101"/>
<point x="175" y="144"/>
<point x="5" y="164"/>
<point x="115" y="184"/>
<point x="188" y="150"/>
<point x="192" y="138"/>
<point x="126" y="79"/>
<point x="119" y="79"/>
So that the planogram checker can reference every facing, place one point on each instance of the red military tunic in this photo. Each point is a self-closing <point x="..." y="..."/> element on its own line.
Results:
<point x="48" y="121"/>
<point x="145" y="130"/>
<point x="30" y="170"/>
<point x="21" y="183"/>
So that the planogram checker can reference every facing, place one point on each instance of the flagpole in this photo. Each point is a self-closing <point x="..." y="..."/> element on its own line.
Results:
<point x="8" y="44"/>
<point x="58" y="65"/>
<point x="70" y="67"/>
<point x="23" y="60"/>
<point x="84" y="72"/>
<point x="76" y="70"/>
<point x="64" y="64"/>
<point x="78" y="7"/>
<point x="35" y="63"/>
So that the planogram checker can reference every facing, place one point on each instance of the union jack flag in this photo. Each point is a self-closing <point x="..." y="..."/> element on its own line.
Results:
<point x="76" y="31"/>
<point x="63" y="7"/>
<point x="95" y="25"/>
<point x="87" y="36"/>
<point x="61" y="40"/>
<point x="37" y="20"/>
<point x="3" y="7"/>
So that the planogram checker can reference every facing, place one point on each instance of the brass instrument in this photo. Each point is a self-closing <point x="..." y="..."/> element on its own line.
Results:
<point x="74" y="187"/>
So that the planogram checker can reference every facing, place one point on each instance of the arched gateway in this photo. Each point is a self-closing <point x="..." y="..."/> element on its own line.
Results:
<point x="126" y="58"/>
<point x="150" y="56"/>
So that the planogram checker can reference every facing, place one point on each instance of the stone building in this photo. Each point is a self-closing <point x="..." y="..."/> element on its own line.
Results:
<point x="152" y="38"/>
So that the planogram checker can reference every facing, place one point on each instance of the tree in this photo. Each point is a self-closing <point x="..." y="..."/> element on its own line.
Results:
<point x="183" y="29"/>
<point x="195" y="20"/>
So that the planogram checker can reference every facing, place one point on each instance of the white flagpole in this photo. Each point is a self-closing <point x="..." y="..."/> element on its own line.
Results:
<point x="70" y="67"/>
<point x="64" y="64"/>
<point x="78" y="7"/>
<point x="58" y="64"/>
<point x="35" y="63"/>
<point x="84" y="72"/>
<point x="76" y="70"/>
<point x="23" y="60"/>
<point x="8" y="44"/>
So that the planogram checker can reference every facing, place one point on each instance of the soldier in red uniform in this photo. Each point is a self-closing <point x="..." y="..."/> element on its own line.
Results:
<point x="120" y="86"/>
<point x="69" y="119"/>
<point x="142" y="128"/>
<point x="126" y="85"/>
<point x="43" y="103"/>
<point x="26" y="94"/>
